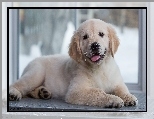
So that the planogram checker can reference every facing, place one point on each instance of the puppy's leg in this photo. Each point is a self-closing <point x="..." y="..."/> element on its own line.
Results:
<point x="40" y="92"/>
<point x="93" y="97"/>
<point x="122" y="91"/>
<point x="32" y="78"/>
<point x="14" y="94"/>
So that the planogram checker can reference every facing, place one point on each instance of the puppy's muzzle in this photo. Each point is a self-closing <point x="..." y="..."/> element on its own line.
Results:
<point x="96" y="52"/>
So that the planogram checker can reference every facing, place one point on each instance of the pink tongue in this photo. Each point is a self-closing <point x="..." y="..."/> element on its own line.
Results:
<point x="95" y="58"/>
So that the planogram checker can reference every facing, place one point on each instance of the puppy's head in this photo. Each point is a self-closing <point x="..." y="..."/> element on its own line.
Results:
<point x="93" y="41"/>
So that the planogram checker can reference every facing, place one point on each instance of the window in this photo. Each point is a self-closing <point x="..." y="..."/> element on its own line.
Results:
<point x="35" y="41"/>
<point x="33" y="36"/>
<point x="52" y="34"/>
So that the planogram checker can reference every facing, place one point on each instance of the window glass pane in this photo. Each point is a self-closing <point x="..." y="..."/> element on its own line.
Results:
<point x="44" y="32"/>
<point x="48" y="31"/>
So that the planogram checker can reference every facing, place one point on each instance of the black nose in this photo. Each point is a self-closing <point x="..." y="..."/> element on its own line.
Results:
<point x="95" y="46"/>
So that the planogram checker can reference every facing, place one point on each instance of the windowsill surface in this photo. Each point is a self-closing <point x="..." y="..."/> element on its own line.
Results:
<point x="79" y="115"/>
<point x="31" y="104"/>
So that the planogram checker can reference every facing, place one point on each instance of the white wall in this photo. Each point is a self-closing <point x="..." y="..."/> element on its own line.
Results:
<point x="4" y="43"/>
<point x="150" y="42"/>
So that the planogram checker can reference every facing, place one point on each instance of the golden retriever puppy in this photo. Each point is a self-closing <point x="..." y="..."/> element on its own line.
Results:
<point x="90" y="76"/>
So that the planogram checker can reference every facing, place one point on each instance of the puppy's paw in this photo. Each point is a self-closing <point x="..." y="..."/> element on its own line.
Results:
<point x="14" y="94"/>
<point x="130" y="100"/>
<point x="114" y="102"/>
<point x="44" y="93"/>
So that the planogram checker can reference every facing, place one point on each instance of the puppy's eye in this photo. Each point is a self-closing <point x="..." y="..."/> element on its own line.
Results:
<point x="85" y="37"/>
<point x="101" y="34"/>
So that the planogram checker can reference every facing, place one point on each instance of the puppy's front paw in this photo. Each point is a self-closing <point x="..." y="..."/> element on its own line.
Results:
<point x="130" y="100"/>
<point x="114" y="102"/>
<point x="14" y="94"/>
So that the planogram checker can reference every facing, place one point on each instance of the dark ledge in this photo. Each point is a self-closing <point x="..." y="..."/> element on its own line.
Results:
<point x="30" y="104"/>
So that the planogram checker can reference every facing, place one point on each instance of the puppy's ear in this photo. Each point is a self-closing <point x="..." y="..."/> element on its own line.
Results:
<point x="74" y="48"/>
<point x="113" y="40"/>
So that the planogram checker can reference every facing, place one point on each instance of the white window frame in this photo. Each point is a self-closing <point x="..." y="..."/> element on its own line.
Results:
<point x="13" y="45"/>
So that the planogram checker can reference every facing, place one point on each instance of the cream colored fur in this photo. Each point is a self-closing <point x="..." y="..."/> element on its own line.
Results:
<point x="75" y="78"/>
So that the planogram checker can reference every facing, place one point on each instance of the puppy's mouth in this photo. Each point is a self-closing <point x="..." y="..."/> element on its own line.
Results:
<point x="96" y="57"/>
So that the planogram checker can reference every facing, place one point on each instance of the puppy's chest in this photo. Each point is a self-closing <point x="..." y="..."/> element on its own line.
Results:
<point x="103" y="82"/>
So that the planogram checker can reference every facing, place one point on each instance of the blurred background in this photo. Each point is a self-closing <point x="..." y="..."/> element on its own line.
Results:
<point x="49" y="31"/>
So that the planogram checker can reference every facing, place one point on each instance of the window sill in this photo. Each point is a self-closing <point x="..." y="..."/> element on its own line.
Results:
<point x="30" y="104"/>
<point x="72" y="115"/>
